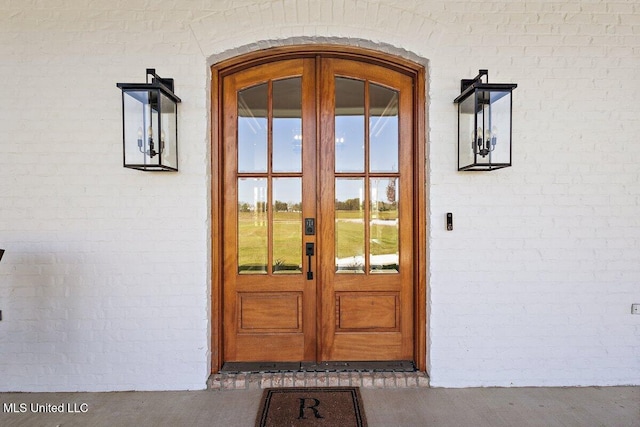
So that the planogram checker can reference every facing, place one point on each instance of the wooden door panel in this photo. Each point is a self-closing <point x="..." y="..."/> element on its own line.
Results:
<point x="269" y="347"/>
<point x="366" y="314"/>
<point x="356" y="346"/>
<point x="360" y="313"/>
<point x="269" y="313"/>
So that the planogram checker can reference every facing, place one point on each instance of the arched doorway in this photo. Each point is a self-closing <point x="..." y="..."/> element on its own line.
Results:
<point x="318" y="210"/>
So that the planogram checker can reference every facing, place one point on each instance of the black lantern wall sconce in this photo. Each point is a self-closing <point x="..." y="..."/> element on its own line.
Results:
<point x="150" y="124"/>
<point x="484" y="124"/>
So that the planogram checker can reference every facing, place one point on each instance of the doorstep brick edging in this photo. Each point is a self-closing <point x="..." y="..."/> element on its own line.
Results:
<point x="258" y="381"/>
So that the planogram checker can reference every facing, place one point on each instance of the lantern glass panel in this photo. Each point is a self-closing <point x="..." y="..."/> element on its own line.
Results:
<point x="484" y="130"/>
<point x="168" y="126"/>
<point x="150" y="130"/>
<point x="493" y="132"/>
<point x="466" y="132"/>
<point x="136" y="125"/>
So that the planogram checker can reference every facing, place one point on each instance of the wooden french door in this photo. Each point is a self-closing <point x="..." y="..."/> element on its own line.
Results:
<point x="318" y="203"/>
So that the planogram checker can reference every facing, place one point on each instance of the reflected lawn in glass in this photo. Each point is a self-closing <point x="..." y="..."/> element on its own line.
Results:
<point x="349" y="242"/>
<point x="349" y="223"/>
<point x="252" y="226"/>
<point x="287" y="225"/>
<point x="383" y="225"/>
<point x="287" y="243"/>
<point x="384" y="243"/>
<point x="252" y="244"/>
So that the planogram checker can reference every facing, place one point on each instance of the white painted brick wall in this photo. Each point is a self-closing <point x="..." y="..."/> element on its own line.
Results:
<point x="105" y="282"/>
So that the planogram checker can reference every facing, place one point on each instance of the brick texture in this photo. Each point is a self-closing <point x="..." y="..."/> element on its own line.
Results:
<point x="365" y="379"/>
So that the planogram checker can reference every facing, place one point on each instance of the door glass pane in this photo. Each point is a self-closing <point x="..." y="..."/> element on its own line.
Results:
<point x="383" y="129"/>
<point x="384" y="225"/>
<point x="349" y="125"/>
<point x="287" y="225"/>
<point x="252" y="226"/>
<point x="252" y="129"/>
<point x="287" y="125"/>
<point x="349" y="230"/>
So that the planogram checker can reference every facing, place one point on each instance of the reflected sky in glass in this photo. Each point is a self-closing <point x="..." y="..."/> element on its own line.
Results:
<point x="383" y="129"/>
<point x="350" y="138"/>
<point x="252" y="129"/>
<point x="287" y="125"/>
<point x="349" y="125"/>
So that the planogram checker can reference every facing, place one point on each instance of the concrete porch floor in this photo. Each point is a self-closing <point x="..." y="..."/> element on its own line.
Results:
<point x="477" y="407"/>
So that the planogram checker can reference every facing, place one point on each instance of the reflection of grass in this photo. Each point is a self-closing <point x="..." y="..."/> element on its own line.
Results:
<point x="252" y="240"/>
<point x="350" y="235"/>
<point x="287" y="240"/>
<point x="287" y="236"/>
<point x="384" y="215"/>
<point x="384" y="240"/>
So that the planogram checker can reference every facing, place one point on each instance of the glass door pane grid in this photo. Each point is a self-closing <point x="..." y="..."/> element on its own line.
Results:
<point x="367" y="175"/>
<point x="269" y="177"/>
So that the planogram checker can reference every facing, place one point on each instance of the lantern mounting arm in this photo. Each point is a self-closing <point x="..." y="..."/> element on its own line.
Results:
<point x="465" y="83"/>
<point x="467" y="86"/>
<point x="167" y="83"/>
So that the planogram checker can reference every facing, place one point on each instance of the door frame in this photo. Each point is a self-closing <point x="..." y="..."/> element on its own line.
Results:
<point x="418" y="75"/>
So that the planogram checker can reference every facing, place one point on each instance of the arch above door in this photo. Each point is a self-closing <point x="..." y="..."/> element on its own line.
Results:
<point x="415" y="219"/>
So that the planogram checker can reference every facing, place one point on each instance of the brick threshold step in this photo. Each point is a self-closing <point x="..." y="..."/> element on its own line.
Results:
<point x="365" y="379"/>
<point x="333" y="366"/>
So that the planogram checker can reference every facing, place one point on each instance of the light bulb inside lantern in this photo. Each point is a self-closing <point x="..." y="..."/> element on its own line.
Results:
<point x="140" y="139"/>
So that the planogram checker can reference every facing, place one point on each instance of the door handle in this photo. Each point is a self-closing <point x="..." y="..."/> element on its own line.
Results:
<point x="309" y="249"/>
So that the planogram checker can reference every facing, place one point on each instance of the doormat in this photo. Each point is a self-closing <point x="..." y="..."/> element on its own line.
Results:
<point x="311" y="406"/>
